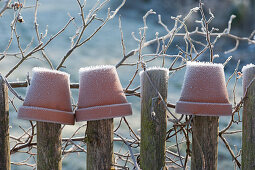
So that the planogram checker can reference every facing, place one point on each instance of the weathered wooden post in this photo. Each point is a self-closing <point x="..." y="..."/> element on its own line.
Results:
<point x="4" y="127"/>
<point x="48" y="146"/>
<point x="99" y="144"/>
<point x="153" y="118"/>
<point x="205" y="140"/>
<point x="248" y="118"/>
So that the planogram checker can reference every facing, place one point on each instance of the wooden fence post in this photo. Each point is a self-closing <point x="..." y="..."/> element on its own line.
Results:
<point x="248" y="120"/>
<point x="205" y="140"/>
<point x="4" y="127"/>
<point x="153" y="119"/>
<point x="48" y="146"/>
<point x="99" y="139"/>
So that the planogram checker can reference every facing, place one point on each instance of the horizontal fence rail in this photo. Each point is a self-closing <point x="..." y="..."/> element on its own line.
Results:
<point x="20" y="84"/>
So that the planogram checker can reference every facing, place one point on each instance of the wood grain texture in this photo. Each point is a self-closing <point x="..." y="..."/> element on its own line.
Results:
<point x="153" y="126"/>
<point x="4" y="127"/>
<point x="99" y="139"/>
<point x="248" y="135"/>
<point x="205" y="141"/>
<point x="48" y="146"/>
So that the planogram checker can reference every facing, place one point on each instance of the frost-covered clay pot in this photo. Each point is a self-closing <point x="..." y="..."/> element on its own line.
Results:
<point x="48" y="98"/>
<point x="204" y="91"/>
<point x="101" y="95"/>
<point x="248" y="75"/>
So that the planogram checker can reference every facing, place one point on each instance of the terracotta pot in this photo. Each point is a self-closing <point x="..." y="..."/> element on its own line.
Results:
<point x="101" y="95"/>
<point x="48" y="98"/>
<point x="204" y="91"/>
<point x="248" y="75"/>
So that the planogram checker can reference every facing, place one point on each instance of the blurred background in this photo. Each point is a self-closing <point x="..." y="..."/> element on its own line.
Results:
<point x="105" y="48"/>
<point x="222" y="9"/>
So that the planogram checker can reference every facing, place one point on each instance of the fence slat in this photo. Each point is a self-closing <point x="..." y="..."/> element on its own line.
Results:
<point x="205" y="140"/>
<point x="48" y="146"/>
<point x="248" y="122"/>
<point x="4" y="127"/>
<point x="153" y="125"/>
<point x="99" y="139"/>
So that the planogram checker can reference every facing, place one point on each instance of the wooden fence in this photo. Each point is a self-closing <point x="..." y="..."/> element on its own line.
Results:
<point x="99" y="134"/>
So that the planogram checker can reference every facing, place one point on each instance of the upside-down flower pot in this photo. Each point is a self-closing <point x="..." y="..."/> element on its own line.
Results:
<point x="101" y="95"/>
<point x="204" y="91"/>
<point x="48" y="98"/>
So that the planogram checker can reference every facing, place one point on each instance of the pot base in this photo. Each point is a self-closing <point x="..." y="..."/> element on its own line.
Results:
<point x="103" y="112"/>
<point x="203" y="109"/>
<point x="46" y="115"/>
